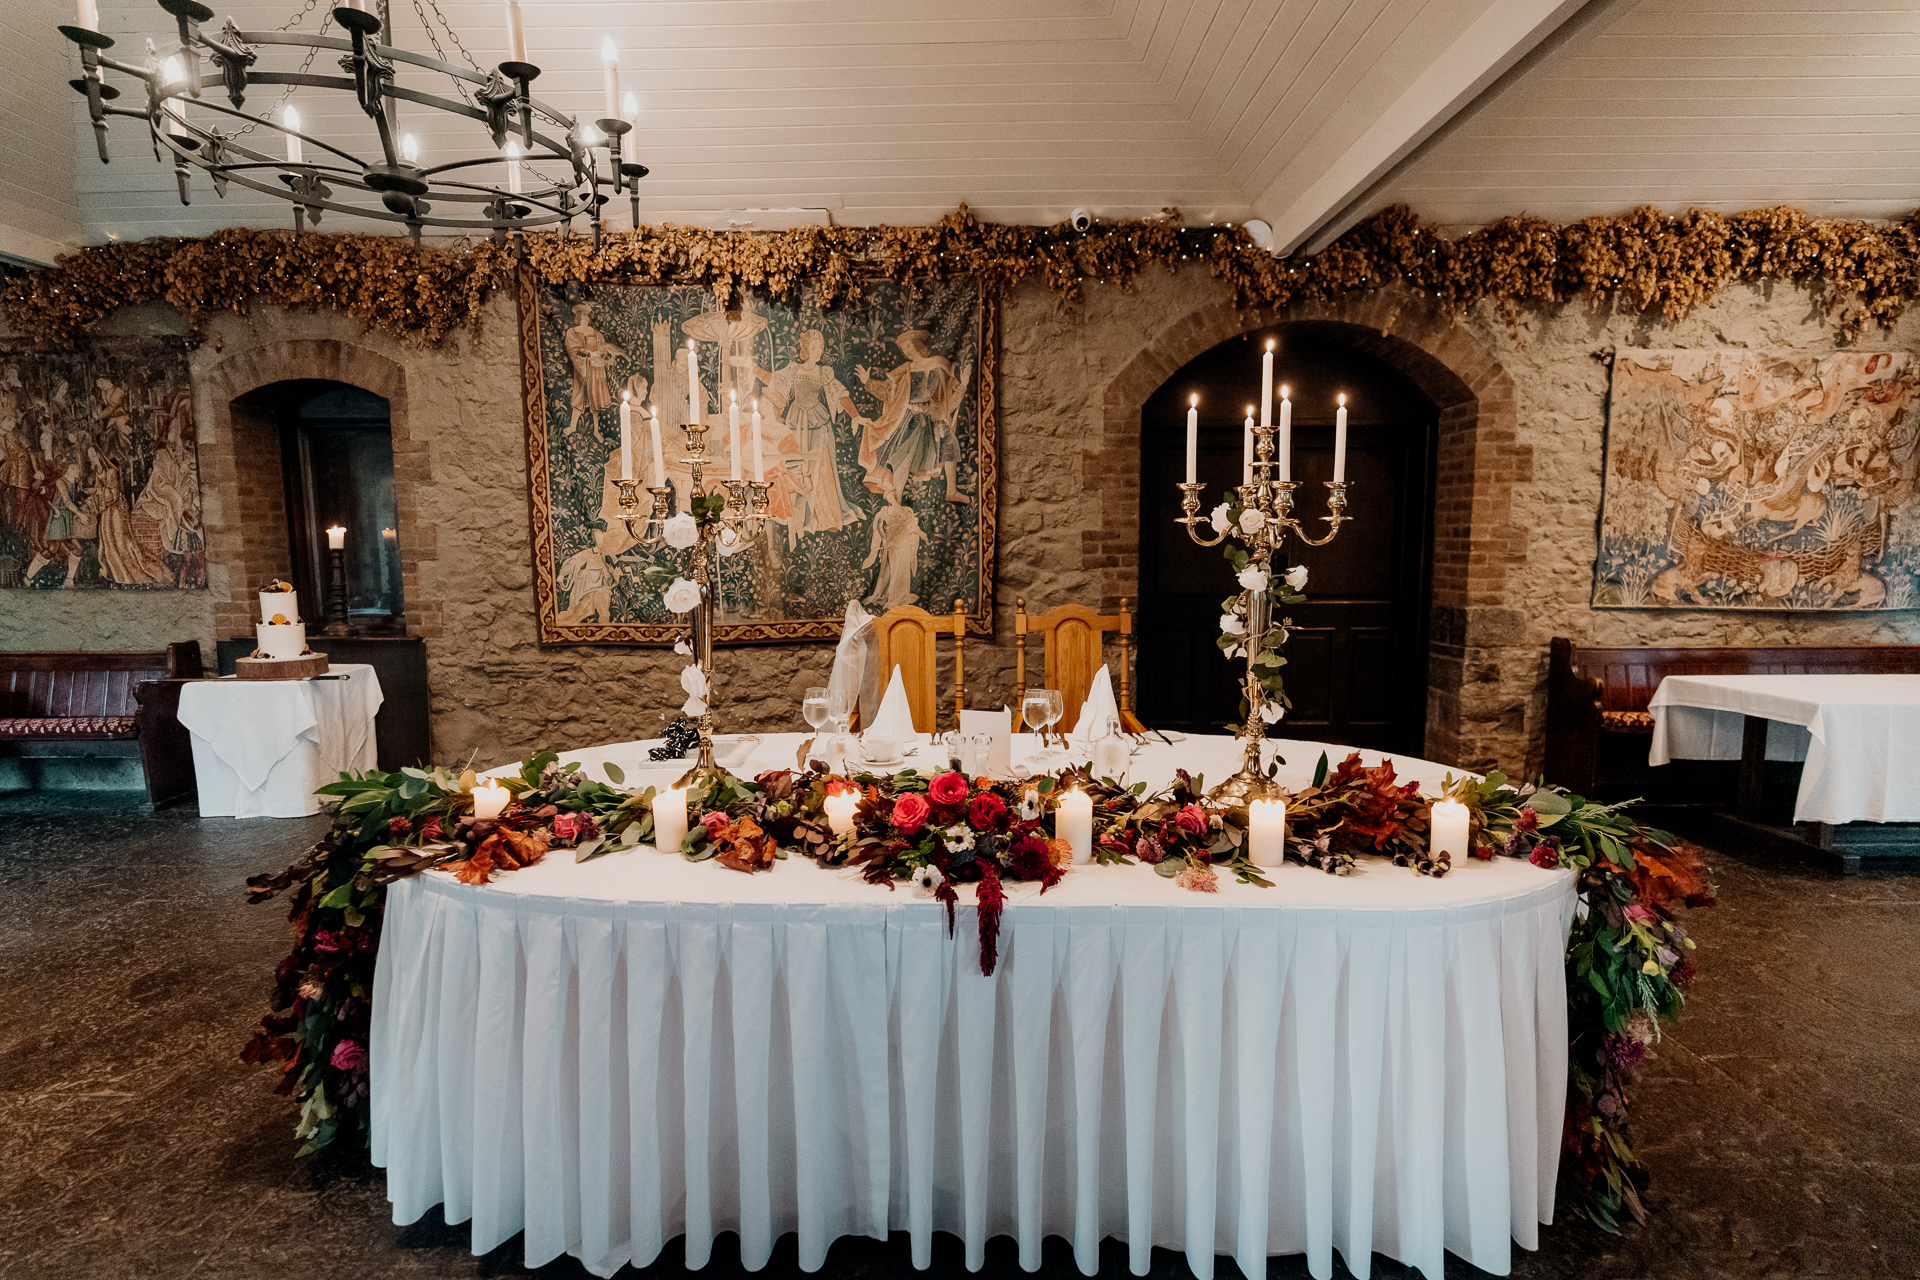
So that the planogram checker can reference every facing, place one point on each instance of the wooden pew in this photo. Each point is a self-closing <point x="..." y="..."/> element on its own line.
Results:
<point x="103" y="704"/>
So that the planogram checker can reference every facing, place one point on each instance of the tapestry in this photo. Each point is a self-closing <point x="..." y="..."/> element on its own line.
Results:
<point x="99" y="477"/>
<point x="876" y="433"/>
<point x="1761" y="480"/>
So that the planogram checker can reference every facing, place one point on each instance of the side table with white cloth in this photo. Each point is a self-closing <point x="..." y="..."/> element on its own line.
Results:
<point x="606" y="1055"/>
<point x="261" y="747"/>
<point x="1859" y="736"/>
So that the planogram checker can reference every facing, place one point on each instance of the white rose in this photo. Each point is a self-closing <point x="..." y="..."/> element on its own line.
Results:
<point x="693" y="707"/>
<point x="1253" y="578"/>
<point x="1297" y="577"/>
<point x="1250" y="521"/>
<point x="1231" y="624"/>
<point x="681" y="531"/>
<point x="1220" y="521"/>
<point x="682" y="648"/>
<point x="1271" y="712"/>
<point x="681" y="595"/>
<point x="693" y="681"/>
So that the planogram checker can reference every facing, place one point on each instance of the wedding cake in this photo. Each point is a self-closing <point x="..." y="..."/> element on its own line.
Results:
<point x="280" y="634"/>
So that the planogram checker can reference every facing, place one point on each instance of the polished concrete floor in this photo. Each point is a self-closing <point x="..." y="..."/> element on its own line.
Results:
<point x="1781" y="1121"/>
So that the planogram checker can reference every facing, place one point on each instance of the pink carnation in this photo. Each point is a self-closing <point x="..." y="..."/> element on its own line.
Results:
<point x="716" y="824"/>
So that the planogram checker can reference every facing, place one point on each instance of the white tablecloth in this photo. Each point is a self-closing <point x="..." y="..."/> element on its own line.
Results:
<point x="606" y="1055"/>
<point x="260" y="747"/>
<point x="1859" y="736"/>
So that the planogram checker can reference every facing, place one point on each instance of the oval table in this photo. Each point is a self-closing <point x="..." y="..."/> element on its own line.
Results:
<point x="606" y="1055"/>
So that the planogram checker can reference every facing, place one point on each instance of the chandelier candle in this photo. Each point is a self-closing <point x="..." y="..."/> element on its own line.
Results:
<point x="513" y="169"/>
<point x="610" y="76"/>
<point x="626" y="435"/>
<point x="295" y="153"/>
<point x="516" y="34"/>
<point x="630" y="144"/>
<point x="1193" y="438"/>
<point x="87" y="15"/>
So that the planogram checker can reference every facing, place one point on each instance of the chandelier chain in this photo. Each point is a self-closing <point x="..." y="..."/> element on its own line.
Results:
<point x="452" y="35"/>
<point x="287" y="92"/>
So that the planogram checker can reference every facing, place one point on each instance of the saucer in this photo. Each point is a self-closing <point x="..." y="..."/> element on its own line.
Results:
<point x="879" y="763"/>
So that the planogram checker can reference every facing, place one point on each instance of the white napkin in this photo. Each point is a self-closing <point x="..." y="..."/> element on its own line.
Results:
<point x="999" y="725"/>
<point x="894" y="719"/>
<point x="1096" y="710"/>
<point x="853" y="662"/>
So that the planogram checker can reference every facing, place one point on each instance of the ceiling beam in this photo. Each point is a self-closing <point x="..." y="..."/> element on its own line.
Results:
<point x="1310" y="192"/>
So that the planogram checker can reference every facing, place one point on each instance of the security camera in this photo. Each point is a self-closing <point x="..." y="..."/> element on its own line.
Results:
<point x="1081" y="219"/>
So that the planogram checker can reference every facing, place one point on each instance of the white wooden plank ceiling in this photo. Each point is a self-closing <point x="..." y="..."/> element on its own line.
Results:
<point x="869" y="111"/>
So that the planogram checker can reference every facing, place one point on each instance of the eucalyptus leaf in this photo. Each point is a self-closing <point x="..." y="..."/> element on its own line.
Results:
<point x="615" y="774"/>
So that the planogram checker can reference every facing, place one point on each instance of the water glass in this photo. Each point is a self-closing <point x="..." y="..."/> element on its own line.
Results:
<point x="814" y="708"/>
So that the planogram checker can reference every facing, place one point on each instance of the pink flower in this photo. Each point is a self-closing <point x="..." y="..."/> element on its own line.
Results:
<point x="948" y="788"/>
<point x="1545" y="855"/>
<point x="910" y="812"/>
<point x="349" y="1055"/>
<point x="431" y="829"/>
<point x="1641" y="912"/>
<point x="1192" y="820"/>
<point x="325" y="943"/>
<point x="1201" y="879"/>
<point x="398" y="826"/>
<point x="565" y="827"/>
<point x="716" y="824"/>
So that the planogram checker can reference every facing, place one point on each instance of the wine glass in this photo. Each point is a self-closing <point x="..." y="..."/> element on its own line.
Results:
<point x="840" y="704"/>
<point x="814" y="708"/>
<point x="1056" y="710"/>
<point x="1033" y="713"/>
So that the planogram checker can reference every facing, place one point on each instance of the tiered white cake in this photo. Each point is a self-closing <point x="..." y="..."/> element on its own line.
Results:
<point x="280" y="634"/>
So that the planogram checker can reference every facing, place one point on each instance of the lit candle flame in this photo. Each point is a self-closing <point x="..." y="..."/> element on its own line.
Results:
<point x="409" y="149"/>
<point x="608" y="54"/>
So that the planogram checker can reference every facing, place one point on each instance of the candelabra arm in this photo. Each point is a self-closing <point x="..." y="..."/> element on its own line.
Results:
<point x="1190" y="517"/>
<point x="1336" y="507"/>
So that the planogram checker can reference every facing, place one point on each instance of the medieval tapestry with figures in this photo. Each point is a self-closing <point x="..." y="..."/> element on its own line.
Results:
<point x="876" y="433"/>
<point x="99" y="476"/>
<point x="1761" y="480"/>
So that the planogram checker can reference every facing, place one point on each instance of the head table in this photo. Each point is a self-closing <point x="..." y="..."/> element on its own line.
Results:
<point x="606" y="1055"/>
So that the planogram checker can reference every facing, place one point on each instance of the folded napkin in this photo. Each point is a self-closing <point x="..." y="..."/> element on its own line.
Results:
<point x="1096" y="710"/>
<point x="895" y="717"/>
<point x="854" y="667"/>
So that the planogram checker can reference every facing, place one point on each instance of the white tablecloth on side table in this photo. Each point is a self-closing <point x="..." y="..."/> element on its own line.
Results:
<point x="606" y="1055"/>
<point x="1859" y="736"/>
<point x="260" y="747"/>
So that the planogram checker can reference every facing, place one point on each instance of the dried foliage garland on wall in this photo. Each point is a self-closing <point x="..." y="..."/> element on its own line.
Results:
<point x="1864" y="273"/>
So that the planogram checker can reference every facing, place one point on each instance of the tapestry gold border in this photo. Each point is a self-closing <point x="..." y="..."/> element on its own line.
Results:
<point x="540" y="499"/>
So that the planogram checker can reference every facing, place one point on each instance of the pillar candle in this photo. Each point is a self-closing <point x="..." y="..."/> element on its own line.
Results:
<point x="1266" y="386"/>
<point x="759" y="469"/>
<point x="296" y="154"/>
<point x="1193" y="439"/>
<point x="516" y="35"/>
<point x="733" y="432"/>
<point x="1267" y="832"/>
<point x="513" y="168"/>
<point x="669" y="819"/>
<point x="610" y="76"/>
<point x="489" y="799"/>
<point x="1246" y="459"/>
<point x="1340" y="441"/>
<point x="1449" y="828"/>
<point x="1073" y="821"/>
<point x="693" y="383"/>
<point x="626" y="435"/>
<point x="839" y="810"/>
<point x="336" y="538"/>
<point x="89" y="15"/>
<point x="1286" y="436"/>
<point x="659" y="470"/>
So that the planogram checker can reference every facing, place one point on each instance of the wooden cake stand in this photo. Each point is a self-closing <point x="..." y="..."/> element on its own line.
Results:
<point x="301" y="668"/>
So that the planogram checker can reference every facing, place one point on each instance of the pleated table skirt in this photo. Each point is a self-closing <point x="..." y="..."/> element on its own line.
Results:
<point x="1375" y="1063"/>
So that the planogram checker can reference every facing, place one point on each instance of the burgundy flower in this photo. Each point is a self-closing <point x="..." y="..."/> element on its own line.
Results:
<point x="1526" y="820"/>
<point x="716" y="824"/>
<point x="325" y="942"/>
<point x="1030" y="858"/>
<point x="1148" y="849"/>
<point x="1192" y="820"/>
<point x="431" y="829"/>
<point x="948" y="788"/>
<point x="349" y="1055"/>
<point x="398" y="826"/>
<point x="987" y="812"/>
<point x="1484" y="852"/>
<point x="1622" y="1053"/>
<point x="1545" y="855"/>
<point x="1683" y="972"/>
<point x="584" y="827"/>
<point x="910" y="812"/>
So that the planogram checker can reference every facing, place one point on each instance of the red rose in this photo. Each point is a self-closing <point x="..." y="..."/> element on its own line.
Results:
<point x="948" y="788"/>
<point x="716" y="824"/>
<point x="1192" y="820"/>
<point x="910" y="812"/>
<point x="431" y="829"/>
<point x="987" y="812"/>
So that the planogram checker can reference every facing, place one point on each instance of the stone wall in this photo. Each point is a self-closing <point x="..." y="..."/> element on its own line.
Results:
<point x="1522" y="417"/>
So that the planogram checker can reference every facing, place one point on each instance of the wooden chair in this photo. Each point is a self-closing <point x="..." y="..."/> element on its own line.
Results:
<point x="908" y="638"/>
<point x="1075" y="651"/>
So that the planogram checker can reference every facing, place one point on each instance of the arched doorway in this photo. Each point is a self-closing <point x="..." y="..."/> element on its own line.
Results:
<point x="1357" y="658"/>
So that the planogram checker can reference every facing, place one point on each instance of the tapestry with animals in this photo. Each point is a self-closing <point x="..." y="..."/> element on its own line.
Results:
<point x="1761" y="480"/>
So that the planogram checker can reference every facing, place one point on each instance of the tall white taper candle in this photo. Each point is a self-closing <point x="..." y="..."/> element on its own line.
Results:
<point x="513" y="168"/>
<point x="759" y="470"/>
<point x="1246" y="456"/>
<point x="626" y="435"/>
<point x="733" y="432"/>
<point x="1286" y="436"/>
<point x="296" y="154"/>
<point x="1193" y="439"/>
<point x="1266" y="386"/>
<point x="516" y="34"/>
<point x="693" y="384"/>
<point x="1340" y="441"/>
<point x="659" y="468"/>
<point x="610" y="76"/>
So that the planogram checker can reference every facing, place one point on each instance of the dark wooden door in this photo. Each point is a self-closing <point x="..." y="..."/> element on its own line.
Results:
<point x="1357" y="653"/>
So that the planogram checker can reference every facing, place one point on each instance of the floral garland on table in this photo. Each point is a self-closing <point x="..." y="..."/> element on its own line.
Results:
<point x="1627" y="960"/>
<point x="1645" y="260"/>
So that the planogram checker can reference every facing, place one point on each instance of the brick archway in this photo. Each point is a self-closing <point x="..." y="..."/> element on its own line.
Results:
<point x="240" y="460"/>
<point x="1477" y="548"/>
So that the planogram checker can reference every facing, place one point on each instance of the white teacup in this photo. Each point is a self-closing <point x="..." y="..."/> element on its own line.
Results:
<point x="880" y="748"/>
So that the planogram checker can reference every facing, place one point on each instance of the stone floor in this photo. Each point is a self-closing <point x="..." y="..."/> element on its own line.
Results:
<point x="1781" y="1121"/>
